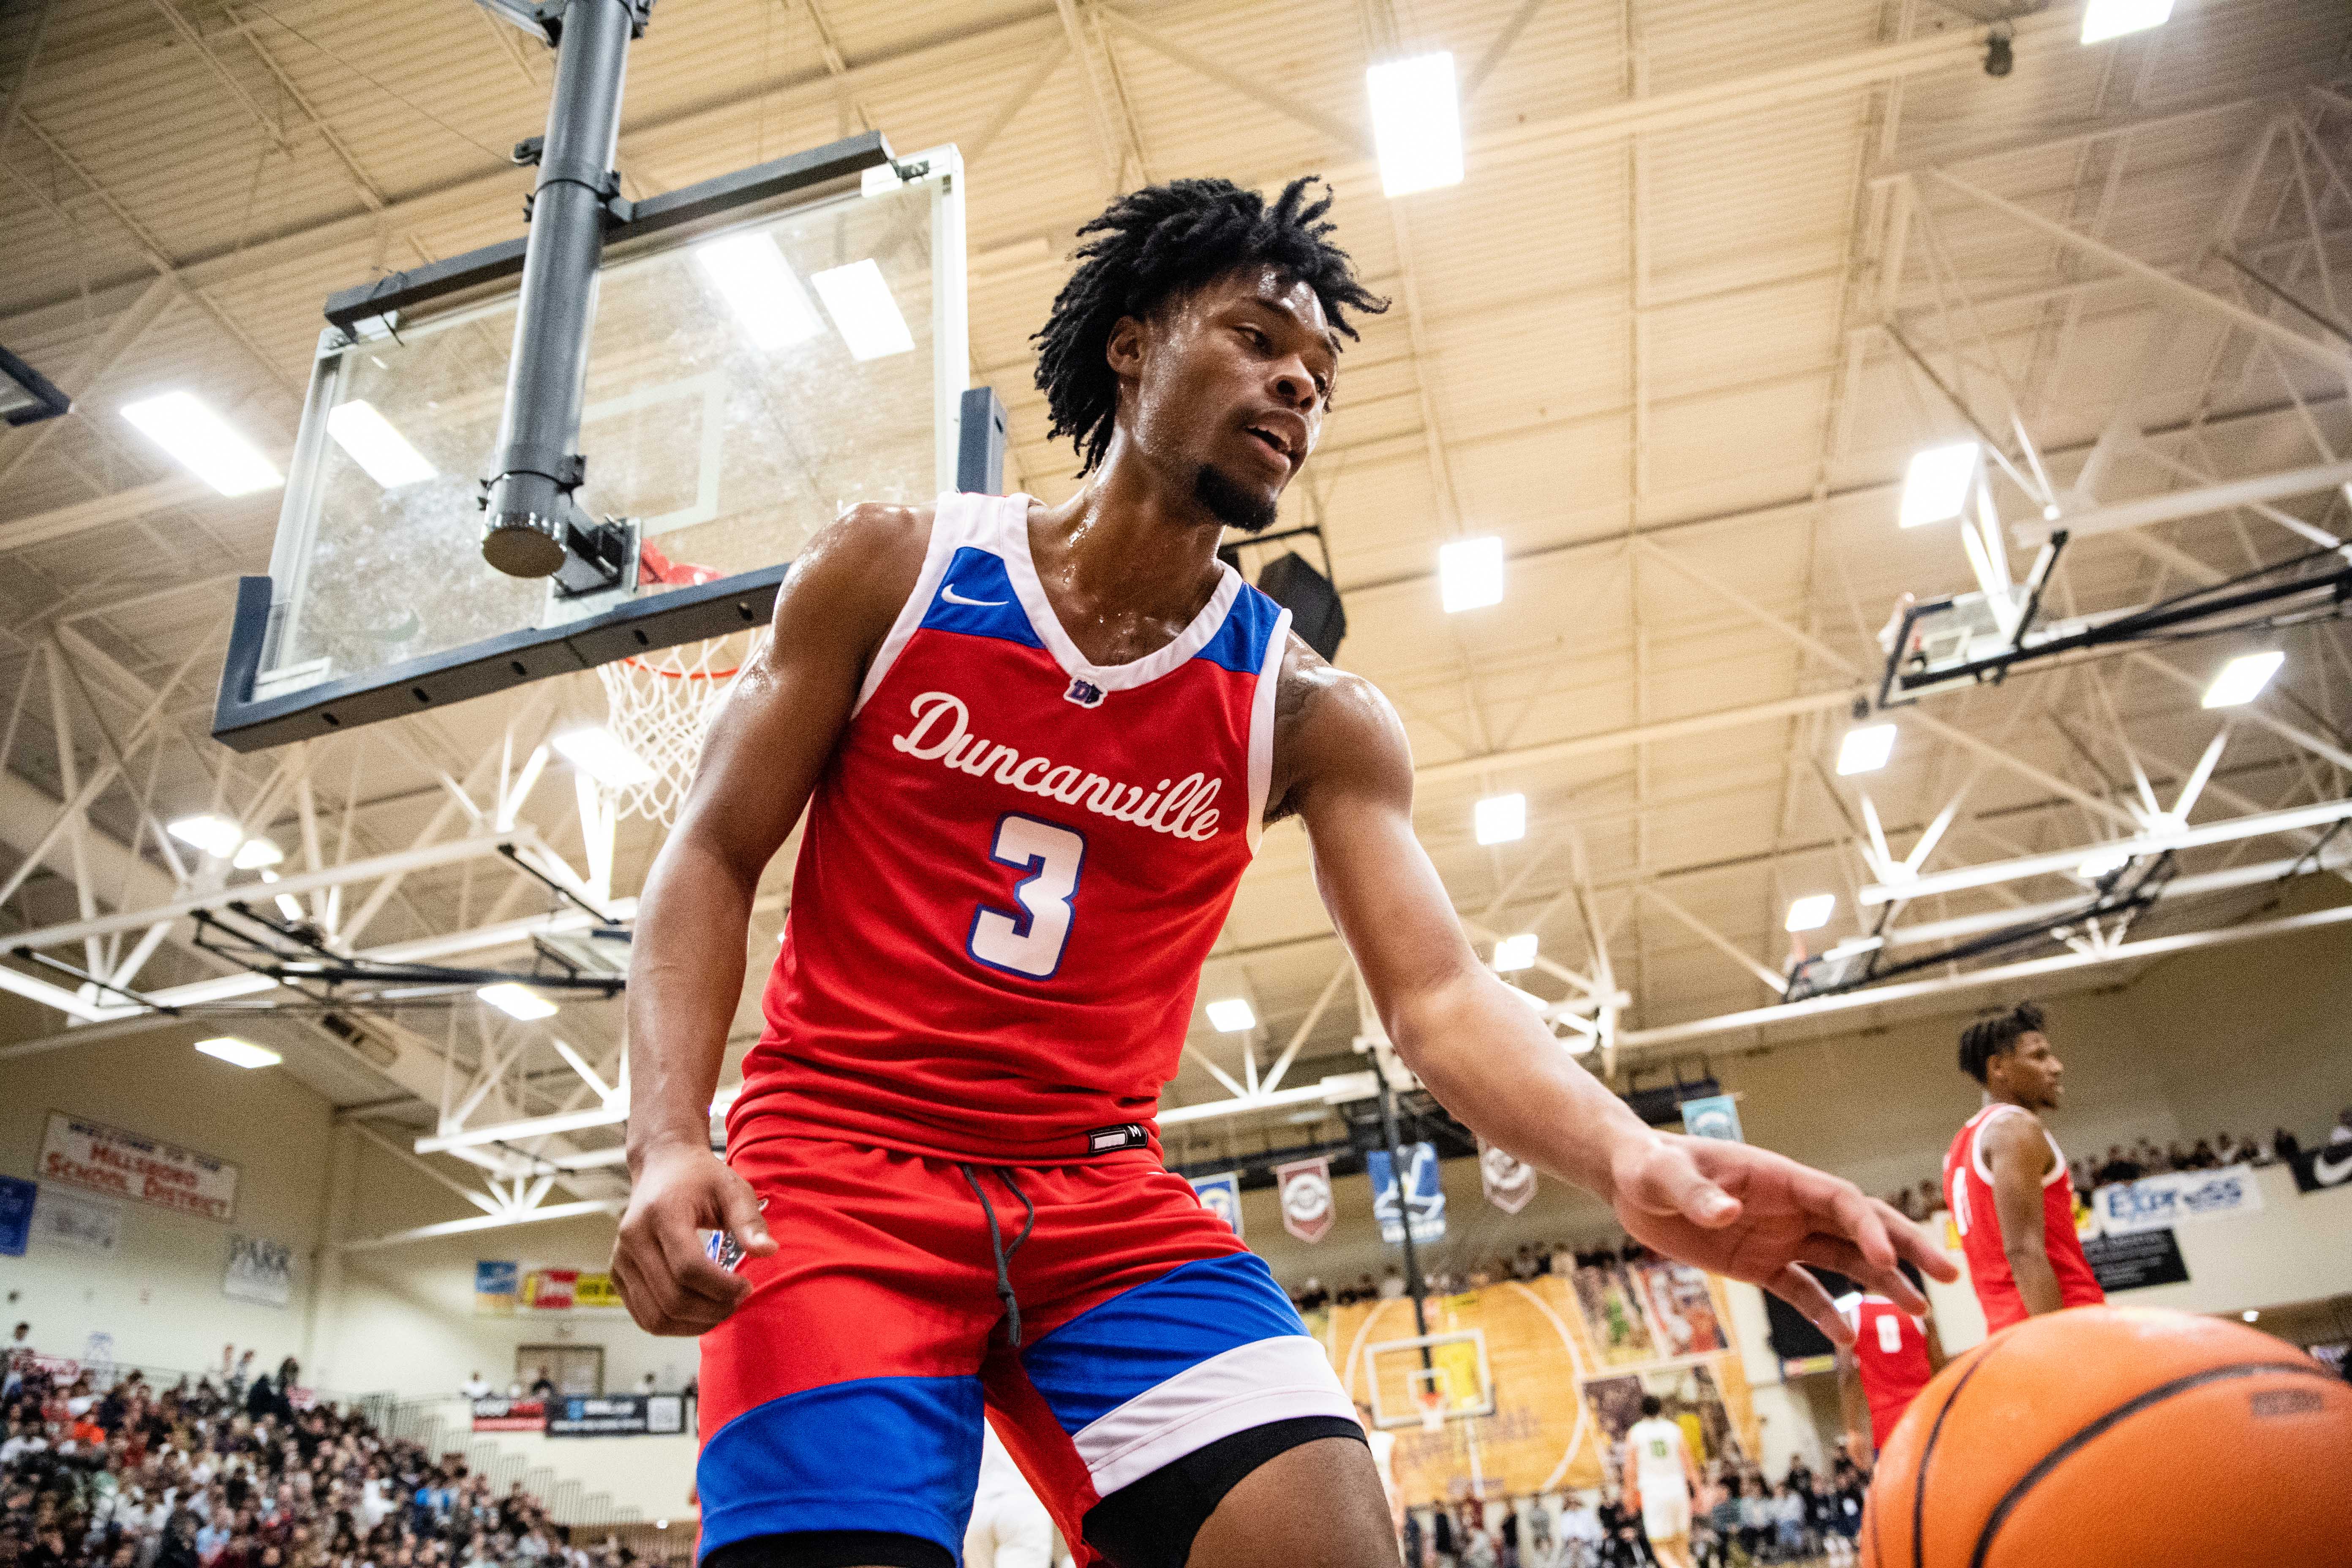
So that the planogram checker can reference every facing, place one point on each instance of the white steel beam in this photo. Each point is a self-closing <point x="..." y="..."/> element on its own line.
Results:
<point x="484" y="1222"/>
<point x="2195" y="502"/>
<point x="2060" y="861"/>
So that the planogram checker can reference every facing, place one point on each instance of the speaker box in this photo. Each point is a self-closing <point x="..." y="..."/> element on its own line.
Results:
<point x="1316" y="613"/>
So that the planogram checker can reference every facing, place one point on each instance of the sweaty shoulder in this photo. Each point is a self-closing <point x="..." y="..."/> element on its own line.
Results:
<point x="848" y="585"/>
<point x="1332" y="730"/>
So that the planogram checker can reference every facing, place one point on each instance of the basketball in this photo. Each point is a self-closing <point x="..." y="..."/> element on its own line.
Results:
<point x="2107" y="1436"/>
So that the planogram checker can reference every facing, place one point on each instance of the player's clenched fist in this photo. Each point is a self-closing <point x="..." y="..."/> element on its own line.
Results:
<point x="671" y="1286"/>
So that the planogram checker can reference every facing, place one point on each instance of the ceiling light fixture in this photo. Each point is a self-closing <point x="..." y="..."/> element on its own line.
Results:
<point x="216" y="835"/>
<point x="1514" y="952"/>
<point x="1470" y="574"/>
<point x="601" y="754"/>
<point x="254" y="853"/>
<point x="1500" y="819"/>
<point x="239" y="1053"/>
<point x="767" y="301"/>
<point x="1416" y="122"/>
<point x="2104" y="19"/>
<point x="203" y="443"/>
<point x="1866" y="749"/>
<point x="1811" y="913"/>
<point x="517" y="1001"/>
<point x="1936" y="485"/>
<point x="2242" y="678"/>
<point x="1232" y="1015"/>
<point x="374" y="443"/>
<point x="859" y="302"/>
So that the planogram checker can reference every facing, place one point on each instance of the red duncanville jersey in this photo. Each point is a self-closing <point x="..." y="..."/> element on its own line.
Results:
<point x="1967" y="1187"/>
<point x="1012" y="869"/>
<point x="1890" y="1354"/>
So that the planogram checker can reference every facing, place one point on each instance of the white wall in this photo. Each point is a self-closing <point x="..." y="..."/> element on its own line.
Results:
<point x="160" y="1295"/>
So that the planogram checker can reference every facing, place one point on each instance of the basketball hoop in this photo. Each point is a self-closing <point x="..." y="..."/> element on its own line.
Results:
<point x="1432" y="1401"/>
<point x="660" y="706"/>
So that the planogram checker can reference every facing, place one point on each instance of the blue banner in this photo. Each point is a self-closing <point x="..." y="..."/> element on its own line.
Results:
<point x="1713" y="1116"/>
<point x="1424" y="1199"/>
<point x="1221" y="1195"/>
<point x="15" y="1214"/>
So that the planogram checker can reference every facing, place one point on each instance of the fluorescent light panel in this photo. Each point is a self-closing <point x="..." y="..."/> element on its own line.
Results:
<point x="1470" y="574"/>
<point x="1232" y="1015"/>
<point x="1514" y="952"/>
<point x="517" y="1001"/>
<point x="2104" y="19"/>
<point x="1416" y="122"/>
<point x="255" y="853"/>
<point x="239" y="1053"/>
<point x="1936" y="485"/>
<point x="867" y="318"/>
<point x="376" y="446"/>
<point x="598" y="752"/>
<point x="1866" y="749"/>
<point x="213" y="834"/>
<point x="768" y="302"/>
<point x="1500" y="819"/>
<point x="2242" y="678"/>
<point x="203" y="443"/>
<point x="1812" y="912"/>
<point x="292" y="907"/>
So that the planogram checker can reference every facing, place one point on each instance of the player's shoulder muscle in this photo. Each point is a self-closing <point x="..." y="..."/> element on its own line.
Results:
<point x="848" y="585"/>
<point x="1332" y="727"/>
<point x="2015" y="1135"/>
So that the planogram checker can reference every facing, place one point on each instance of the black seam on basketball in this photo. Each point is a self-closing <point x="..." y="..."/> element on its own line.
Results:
<point x="2129" y="1408"/>
<point x="1927" y="1452"/>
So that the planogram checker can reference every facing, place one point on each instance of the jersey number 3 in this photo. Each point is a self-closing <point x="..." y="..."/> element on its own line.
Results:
<point x="1029" y="940"/>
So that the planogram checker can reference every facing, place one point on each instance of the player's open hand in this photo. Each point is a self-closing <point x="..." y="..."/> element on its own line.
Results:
<point x="670" y="1285"/>
<point x="1750" y="1213"/>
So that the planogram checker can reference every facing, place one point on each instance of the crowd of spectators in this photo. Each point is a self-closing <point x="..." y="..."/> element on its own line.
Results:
<point x="230" y="1471"/>
<point x="1739" y="1520"/>
<point x="1531" y="1261"/>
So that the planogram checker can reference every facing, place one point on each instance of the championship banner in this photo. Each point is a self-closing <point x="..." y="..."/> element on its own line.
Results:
<point x="2318" y="1170"/>
<point x="2160" y="1203"/>
<point x="1509" y="1182"/>
<point x="497" y="1284"/>
<point x="1221" y="1195"/>
<point x="1425" y="1195"/>
<point x="125" y="1165"/>
<point x="1304" y="1188"/>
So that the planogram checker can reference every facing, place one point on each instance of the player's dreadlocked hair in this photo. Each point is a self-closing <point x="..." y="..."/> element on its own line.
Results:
<point x="1165" y="240"/>
<point x="1989" y="1037"/>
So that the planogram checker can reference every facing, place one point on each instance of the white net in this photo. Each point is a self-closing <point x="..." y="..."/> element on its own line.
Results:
<point x="660" y="707"/>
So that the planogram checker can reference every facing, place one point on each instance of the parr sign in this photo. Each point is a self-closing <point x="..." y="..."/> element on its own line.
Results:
<point x="126" y="1166"/>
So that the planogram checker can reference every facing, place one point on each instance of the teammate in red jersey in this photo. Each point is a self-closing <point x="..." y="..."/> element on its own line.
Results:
<point x="1036" y="745"/>
<point x="1893" y="1356"/>
<point x="2012" y="1197"/>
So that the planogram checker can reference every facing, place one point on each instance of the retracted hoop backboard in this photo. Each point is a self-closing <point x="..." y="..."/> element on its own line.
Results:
<point x="769" y="347"/>
<point x="1456" y="1368"/>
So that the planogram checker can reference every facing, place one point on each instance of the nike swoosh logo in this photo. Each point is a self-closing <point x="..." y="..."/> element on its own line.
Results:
<point x="952" y="597"/>
<point x="2330" y="1171"/>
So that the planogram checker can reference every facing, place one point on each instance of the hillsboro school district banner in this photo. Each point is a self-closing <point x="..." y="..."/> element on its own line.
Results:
<point x="125" y="1165"/>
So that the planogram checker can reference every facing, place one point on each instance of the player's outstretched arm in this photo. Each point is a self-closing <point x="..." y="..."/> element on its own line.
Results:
<point x="769" y="743"/>
<point x="1735" y="1209"/>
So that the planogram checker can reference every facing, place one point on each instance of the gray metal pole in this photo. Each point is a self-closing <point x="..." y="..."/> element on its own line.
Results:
<point x="1413" y="1279"/>
<point x="529" y="502"/>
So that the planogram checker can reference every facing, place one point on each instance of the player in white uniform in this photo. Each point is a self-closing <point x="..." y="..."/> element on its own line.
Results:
<point x="1660" y="1474"/>
<point x="1010" y="1528"/>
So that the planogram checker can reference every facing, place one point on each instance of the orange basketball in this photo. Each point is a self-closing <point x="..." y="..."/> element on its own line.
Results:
<point x="2115" y="1438"/>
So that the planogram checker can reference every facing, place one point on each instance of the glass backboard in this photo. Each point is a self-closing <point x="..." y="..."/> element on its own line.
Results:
<point x="750" y="373"/>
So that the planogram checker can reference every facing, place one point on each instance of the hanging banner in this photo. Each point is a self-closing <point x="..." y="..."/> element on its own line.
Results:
<point x="1713" y="1116"/>
<point x="2318" y="1170"/>
<point x="126" y="1166"/>
<point x="1510" y="1182"/>
<point x="497" y="1283"/>
<point x="594" y="1291"/>
<point x="260" y="1271"/>
<point x="16" y="1215"/>
<point x="615" y="1415"/>
<point x="509" y="1416"/>
<point x="2136" y="1259"/>
<point x="2160" y="1203"/>
<point x="1424" y="1195"/>
<point x="1221" y="1195"/>
<point x="62" y="1218"/>
<point x="1304" y="1188"/>
<point x="550" y="1289"/>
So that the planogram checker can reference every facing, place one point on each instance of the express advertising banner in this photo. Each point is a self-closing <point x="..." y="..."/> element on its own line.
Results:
<point x="2160" y="1203"/>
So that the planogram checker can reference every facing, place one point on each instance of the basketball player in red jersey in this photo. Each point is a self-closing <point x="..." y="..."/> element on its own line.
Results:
<point x="1036" y="746"/>
<point x="2012" y="1197"/>
<point x="1894" y="1356"/>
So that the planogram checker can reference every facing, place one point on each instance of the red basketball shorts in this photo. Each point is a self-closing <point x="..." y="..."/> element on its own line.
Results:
<point x="847" y="1392"/>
